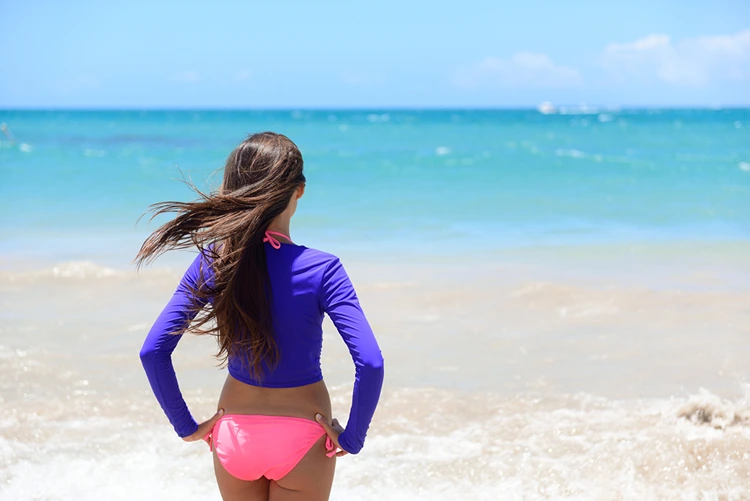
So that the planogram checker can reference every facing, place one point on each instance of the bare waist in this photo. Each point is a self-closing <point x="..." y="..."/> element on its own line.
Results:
<point x="301" y="401"/>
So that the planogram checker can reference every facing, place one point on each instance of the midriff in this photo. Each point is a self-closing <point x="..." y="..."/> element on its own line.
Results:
<point x="301" y="401"/>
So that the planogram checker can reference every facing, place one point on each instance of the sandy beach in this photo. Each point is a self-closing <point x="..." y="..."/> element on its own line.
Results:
<point x="504" y="379"/>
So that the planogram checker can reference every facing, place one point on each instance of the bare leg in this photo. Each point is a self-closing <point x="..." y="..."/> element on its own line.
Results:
<point x="310" y="480"/>
<point x="234" y="489"/>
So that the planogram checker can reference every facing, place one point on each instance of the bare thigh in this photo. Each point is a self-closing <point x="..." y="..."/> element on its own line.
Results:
<point x="234" y="489"/>
<point x="310" y="480"/>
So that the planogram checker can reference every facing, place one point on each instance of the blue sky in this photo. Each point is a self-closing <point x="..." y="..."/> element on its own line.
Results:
<point x="283" y="54"/>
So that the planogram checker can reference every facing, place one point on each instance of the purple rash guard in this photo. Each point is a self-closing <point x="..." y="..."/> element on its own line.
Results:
<point x="305" y="283"/>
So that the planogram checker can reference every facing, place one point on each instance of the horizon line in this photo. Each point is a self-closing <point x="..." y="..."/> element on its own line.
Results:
<point x="581" y="106"/>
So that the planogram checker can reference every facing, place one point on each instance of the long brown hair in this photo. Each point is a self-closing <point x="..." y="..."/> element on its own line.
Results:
<point x="260" y="177"/>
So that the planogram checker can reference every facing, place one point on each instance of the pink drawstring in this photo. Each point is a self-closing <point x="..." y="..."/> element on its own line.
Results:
<point x="275" y="243"/>
<point x="208" y="439"/>
<point x="330" y="447"/>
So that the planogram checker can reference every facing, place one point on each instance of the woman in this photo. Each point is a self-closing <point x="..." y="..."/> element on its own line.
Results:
<point x="272" y="437"/>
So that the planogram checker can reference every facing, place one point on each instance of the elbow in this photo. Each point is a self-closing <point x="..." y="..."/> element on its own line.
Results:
<point x="147" y="354"/>
<point x="374" y="365"/>
<point x="153" y="346"/>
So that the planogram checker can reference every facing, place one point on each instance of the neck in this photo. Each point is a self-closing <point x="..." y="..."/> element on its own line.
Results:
<point x="280" y="227"/>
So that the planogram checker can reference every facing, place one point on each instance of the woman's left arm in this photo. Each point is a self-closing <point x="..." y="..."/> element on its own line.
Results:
<point x="156" y="353"/>
<point x="340" y="302"/>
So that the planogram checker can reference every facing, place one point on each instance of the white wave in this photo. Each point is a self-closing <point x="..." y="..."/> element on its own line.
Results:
<point x="744" y="166"/>
<point x="424" y="444"/>
<point x="573" y="153"/>
<point x="711" y="410"/>
<point x="74" y="466"/>
<point x="570" y="153"/>
<point x="82" y="269"/>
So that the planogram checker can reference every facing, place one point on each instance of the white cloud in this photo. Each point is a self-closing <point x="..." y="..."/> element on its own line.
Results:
<point x="522" y="69"/>
<point x="691" y="62"/>
<point x="187" y="76"/>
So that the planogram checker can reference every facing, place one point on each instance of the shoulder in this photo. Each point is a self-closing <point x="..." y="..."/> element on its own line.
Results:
<point x="200" y="270"/>
<point x="317" y="257"/>
<point x="324" y="266"/>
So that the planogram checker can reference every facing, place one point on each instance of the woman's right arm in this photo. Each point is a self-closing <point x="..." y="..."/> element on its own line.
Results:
<point x="341" y="304"/>
<point x="156" y="353"/>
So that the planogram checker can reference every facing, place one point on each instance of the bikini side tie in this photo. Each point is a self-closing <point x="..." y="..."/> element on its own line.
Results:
<point x="275" y="243"/>
<point x="330" y="447"/>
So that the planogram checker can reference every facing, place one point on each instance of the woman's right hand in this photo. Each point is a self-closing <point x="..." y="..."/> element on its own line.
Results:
<point x="333" y="430"/>
<point x="204" y="428"/>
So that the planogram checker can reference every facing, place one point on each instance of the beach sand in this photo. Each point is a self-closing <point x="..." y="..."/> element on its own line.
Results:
<point x="534" y="375"/>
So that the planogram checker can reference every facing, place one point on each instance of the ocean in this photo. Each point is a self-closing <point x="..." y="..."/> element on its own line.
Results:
<point x="561" y="298"/>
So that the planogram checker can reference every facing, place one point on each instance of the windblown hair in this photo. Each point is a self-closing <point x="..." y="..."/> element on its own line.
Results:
<point x="260" y="177"/>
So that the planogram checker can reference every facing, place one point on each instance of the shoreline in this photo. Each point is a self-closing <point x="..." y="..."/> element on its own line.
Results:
<point x="513" y="326"/>
<point x="688" y="264"/>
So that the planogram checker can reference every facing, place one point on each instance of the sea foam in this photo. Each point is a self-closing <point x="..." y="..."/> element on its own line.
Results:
<point x="424" y="444"/>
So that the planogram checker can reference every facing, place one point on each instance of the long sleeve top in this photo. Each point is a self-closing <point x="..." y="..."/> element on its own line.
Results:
<point x="306" y="284"/>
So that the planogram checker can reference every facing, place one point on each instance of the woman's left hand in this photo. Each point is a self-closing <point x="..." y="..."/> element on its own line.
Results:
<point x="204" y="428"/>
<point x="333" y="430"/>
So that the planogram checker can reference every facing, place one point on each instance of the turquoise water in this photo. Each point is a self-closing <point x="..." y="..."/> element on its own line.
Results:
<point x="74" y="182"/>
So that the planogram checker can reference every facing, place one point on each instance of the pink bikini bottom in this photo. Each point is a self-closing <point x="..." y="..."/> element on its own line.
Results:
<point x="251" y="446"/>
